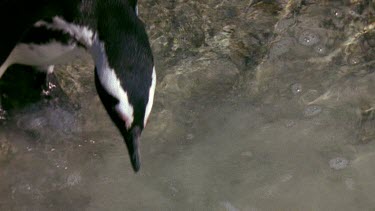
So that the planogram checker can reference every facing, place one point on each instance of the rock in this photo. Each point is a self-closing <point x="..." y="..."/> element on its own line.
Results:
<point x="196" y="75"/>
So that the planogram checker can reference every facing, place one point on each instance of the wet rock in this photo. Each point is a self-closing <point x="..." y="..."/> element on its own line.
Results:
<point x="200" y="49"/>
<point x="284" y="25"/>
<point x="76" y="78"/>
<point x="249" y="39"/>
<point x="281" y="47"/>
<point x="195" y="74"/>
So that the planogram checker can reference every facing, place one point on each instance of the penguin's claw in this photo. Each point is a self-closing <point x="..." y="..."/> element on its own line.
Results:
<point x="48" y="87"/>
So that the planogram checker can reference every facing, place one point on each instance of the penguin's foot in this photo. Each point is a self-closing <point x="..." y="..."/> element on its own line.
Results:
<point x="47" y="90"/>
<point x="49" y="86"/>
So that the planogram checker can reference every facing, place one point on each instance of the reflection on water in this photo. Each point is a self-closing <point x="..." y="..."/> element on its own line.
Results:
<point x="260" y="105"/>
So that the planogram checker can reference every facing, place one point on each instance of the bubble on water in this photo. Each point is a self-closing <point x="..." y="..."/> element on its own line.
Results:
<point x="337" y="13"/>
<point x="354" y="60"/>
<point x="320" y="49"/>
<point x="312" y="110"/>
<point x="296" y="88"/>
<point x="338" y="163"/>
<point x="308" y="38"/>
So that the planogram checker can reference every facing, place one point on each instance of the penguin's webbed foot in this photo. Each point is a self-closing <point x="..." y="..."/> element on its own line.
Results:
<point x="49" y="86"/>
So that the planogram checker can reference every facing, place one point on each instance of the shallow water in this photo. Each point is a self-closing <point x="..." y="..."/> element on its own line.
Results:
<point x="264" y="106"/>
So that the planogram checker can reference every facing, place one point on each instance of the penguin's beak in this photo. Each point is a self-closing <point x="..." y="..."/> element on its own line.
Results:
<point x="132" y="143"/>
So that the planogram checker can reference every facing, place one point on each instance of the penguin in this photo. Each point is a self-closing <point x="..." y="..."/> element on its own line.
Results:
<point x="42" y="33"/>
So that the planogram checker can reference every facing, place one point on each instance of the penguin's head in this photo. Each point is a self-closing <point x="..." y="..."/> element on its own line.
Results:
<point x="128" y="100"/>
<point x="125" y="79"/>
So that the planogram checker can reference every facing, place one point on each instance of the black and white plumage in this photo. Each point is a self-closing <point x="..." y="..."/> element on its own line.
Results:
<point x="42" y="33"/>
